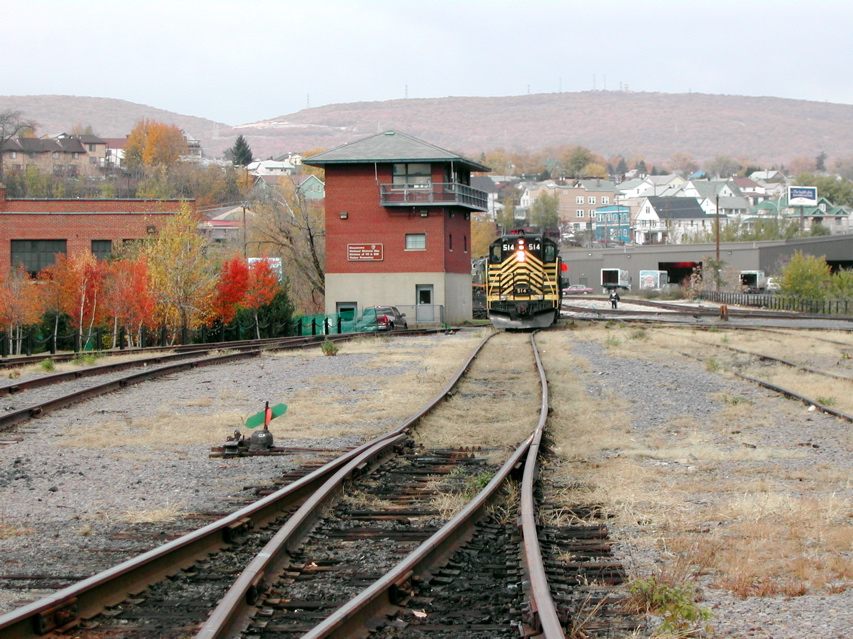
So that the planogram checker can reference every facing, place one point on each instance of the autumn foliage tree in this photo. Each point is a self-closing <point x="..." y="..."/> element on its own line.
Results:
<point x="21" y="304"/>
<point x="262" y="287"/>
<point x="152" y="143"/>
<point x="244" y="286"/>
<point x="128" y="299"/>
<point x="183" y="278"/>
<point x="76" y="282"/>
<point x="231" y="289"/>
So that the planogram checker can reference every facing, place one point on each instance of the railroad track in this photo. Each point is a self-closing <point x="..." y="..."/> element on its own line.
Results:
<point x="662" y="312"/>
<point x="142" y="369"/>
<point x="805" y="371"/>
<point x="17" y="361"/>
<point x="289" y="584"/>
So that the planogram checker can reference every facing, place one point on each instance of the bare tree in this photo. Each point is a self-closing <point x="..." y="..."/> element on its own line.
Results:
<point x="288" y="224"/>
<point x="12" y="124"/>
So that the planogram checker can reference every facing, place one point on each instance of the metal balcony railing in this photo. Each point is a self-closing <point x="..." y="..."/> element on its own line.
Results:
<point x="434" y="194"/>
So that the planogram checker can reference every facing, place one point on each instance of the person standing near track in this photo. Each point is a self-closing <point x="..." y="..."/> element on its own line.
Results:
<point x="614" y="298"/>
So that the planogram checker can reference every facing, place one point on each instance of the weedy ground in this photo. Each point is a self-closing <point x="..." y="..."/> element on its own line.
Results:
<point x="718" y="502"/>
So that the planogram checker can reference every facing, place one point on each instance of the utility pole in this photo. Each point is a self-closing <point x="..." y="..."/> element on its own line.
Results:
<point x="717" y="225"/>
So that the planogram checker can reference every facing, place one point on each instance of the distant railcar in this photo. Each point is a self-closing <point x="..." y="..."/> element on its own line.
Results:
<point x="523" y="284"/>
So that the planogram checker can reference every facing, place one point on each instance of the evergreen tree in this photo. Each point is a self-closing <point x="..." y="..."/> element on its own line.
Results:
<point x="241" y="152"/>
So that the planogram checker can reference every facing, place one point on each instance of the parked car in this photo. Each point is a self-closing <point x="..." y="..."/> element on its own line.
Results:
<point x="381" y="318"/>
<point x="773" y="286"/>
<point x="577" y="289"/>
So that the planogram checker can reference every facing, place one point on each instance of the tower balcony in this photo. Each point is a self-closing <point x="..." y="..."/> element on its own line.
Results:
<point x="434" y="194"/>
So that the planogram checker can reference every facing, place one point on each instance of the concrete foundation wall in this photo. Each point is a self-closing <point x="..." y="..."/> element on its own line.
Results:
<point x="450" y="290"/>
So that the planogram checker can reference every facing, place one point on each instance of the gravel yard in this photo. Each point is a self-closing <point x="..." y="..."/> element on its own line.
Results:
<point x="81" y="488"/>
<point x="716" y="481"/>
<point x="73" y="483"/>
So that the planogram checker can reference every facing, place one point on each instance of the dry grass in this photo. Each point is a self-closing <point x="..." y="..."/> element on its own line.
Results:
<point x="505" y="507"/>
<point x="164" y="429"/>
<point x="775" y="544"/>
<point x="7" y="530"/>
<point x="497" y="404"/>
<point x="331" y="406"/>
<point x="63" y="367"/>
<point x="829" y="391"/>
<point x="154" y="515"/>
<point x="707" y="498"/>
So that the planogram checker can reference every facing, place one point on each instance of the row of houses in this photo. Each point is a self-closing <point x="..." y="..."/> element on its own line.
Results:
<point x="672" y="208"/>
<point x="72" y="155"/>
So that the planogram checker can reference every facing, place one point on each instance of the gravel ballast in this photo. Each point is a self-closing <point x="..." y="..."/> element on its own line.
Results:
<point x="64" y="508"/>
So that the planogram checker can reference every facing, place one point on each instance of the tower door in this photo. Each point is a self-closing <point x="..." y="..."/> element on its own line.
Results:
<point x="424" y="311"/>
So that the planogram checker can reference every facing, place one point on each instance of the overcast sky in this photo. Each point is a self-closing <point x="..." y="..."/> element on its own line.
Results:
<point x="240" y="61"/>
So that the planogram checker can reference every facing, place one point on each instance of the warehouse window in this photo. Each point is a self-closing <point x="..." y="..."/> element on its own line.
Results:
<point x="415" y="241"/>
<point x="101" y="249"/>
<point x="35" y="255"/>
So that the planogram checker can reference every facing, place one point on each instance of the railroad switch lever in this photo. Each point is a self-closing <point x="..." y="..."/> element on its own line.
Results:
<point x="262" y="439"/>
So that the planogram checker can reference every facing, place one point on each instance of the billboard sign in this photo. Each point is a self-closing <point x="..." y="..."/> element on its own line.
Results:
<point x="802" y="196"/>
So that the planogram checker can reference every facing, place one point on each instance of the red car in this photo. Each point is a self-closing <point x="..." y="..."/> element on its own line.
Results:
<point x="577" y="289"/>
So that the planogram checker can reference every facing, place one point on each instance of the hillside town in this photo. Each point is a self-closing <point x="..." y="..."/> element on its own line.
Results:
<point x="112" y="193"/>
<point x="630" y="208"/>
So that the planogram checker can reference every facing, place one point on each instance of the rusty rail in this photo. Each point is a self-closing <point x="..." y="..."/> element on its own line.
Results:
<point x="243" y="352"/>
<point x="89" y="597"/>
<point x="542" y="605"/>
<point x="366" y="608"/>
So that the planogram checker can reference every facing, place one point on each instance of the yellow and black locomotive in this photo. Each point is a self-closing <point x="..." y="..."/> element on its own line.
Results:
<point x="523" y="287"/>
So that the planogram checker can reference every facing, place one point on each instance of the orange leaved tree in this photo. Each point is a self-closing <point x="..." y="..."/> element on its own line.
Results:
<point x="152" y="143"/>
<point x="127" y="297"/>
<point x="21" y="305"/>
<point x="76" y="282"/>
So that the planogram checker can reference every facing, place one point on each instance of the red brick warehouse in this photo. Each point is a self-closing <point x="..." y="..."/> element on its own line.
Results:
<point x="398" y="228"/>
<point x="34" y="230"/>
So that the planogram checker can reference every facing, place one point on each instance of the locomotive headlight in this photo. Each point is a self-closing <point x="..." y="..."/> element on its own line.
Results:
<point x="540" y="297"/>
<point x="520" y="256"/>
<point x="503" y="298"/>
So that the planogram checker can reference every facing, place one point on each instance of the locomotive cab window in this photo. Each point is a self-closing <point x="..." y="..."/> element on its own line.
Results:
<point x="550" y="253"/>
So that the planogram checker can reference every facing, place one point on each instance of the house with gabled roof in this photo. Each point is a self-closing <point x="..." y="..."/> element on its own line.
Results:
<point x="306" y="185"/>
<point x="834" y="218"/>
<point x="751" y="189"/>
<point x="773" y="176"/>
<point x="654" y="185"/>
<point x="667" y="220"/>
<point x="398" y="227"/>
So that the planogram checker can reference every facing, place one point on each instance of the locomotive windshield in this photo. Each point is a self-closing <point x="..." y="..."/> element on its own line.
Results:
<point x="501" y="249"/>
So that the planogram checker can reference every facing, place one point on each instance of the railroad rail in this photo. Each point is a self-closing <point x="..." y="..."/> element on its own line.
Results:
<point x="296" y="505"/>
<point x="67" y="607"/>
<point x="17" y="361"/>
<point x="809" y="401"/>
<point x="658" y="309"/>
<point x="185" y="359"/>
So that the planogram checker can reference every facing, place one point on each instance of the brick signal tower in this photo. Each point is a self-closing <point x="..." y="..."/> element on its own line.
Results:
<point x="398" y="228"/>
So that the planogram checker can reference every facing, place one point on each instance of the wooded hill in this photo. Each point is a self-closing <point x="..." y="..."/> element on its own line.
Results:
<point x="761" y="130"/>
